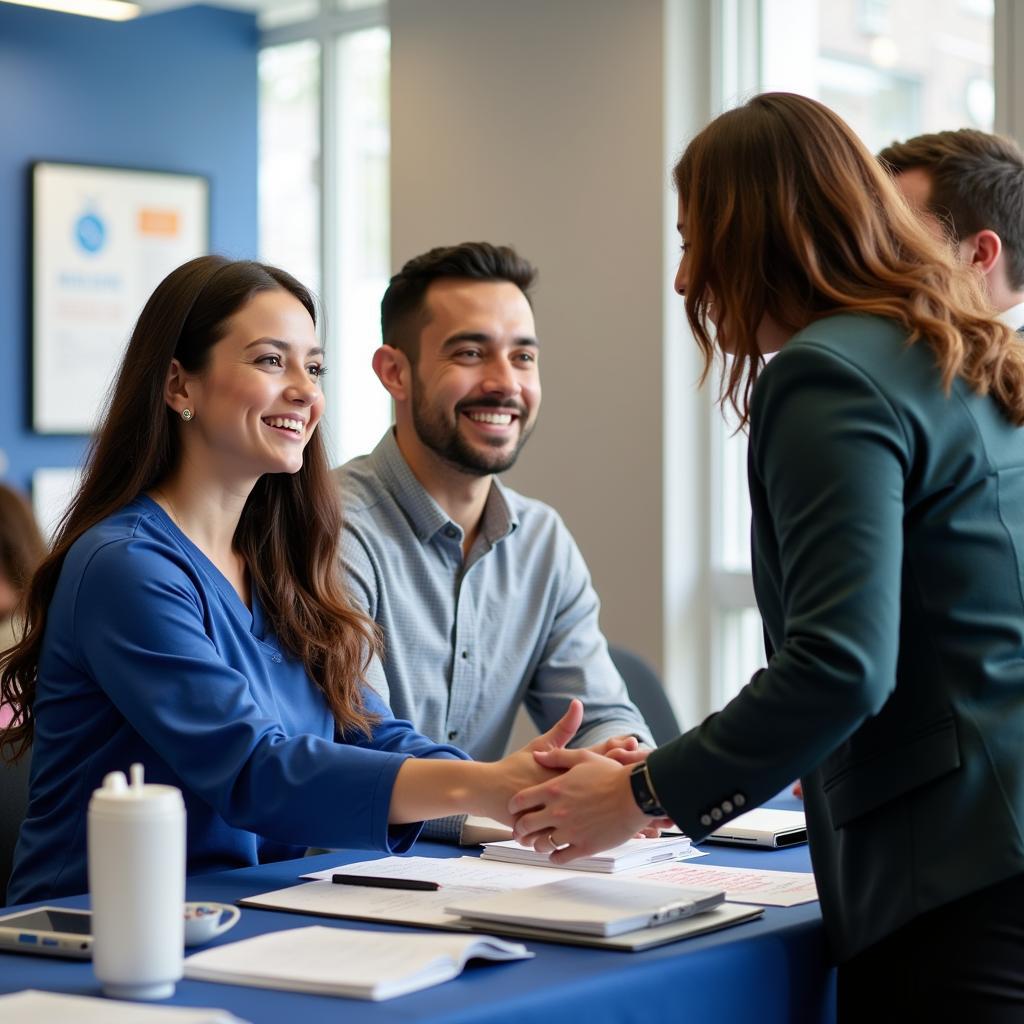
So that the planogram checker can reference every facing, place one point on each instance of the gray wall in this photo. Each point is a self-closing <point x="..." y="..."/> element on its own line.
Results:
<point x="542" y="125"/>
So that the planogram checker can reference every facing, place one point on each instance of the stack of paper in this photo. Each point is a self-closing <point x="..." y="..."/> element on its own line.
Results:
<point x="346" y="962"/>
<point x="591" y="906"/>
<point x="34" y="1007"/>
<point x="631" y="854"/>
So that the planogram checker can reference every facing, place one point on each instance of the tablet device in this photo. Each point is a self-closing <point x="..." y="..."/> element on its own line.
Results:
<point x="765" y="826"/>
<point x="52" y="931"/>
<point x="590" y="906"/>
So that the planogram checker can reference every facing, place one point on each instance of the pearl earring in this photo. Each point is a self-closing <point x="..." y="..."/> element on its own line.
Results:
<point x="186" y="414"/>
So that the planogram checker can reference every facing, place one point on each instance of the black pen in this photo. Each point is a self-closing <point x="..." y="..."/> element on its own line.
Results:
<point x="377" y="882"/>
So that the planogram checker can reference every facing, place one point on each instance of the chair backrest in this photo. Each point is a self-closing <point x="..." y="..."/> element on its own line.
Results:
<point x="647" y="693"/>
<point x="13" y="805"/>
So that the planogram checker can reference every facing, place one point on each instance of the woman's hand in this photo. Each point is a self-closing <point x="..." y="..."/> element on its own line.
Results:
<point x="434" y="788"/>
<point x="521" y="769"/>
<point x="587" y="809"/>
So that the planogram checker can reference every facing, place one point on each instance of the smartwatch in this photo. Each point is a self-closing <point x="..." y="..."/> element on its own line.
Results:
<point x="643" y="791"/>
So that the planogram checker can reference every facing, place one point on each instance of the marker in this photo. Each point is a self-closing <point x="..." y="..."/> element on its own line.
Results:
<point x="377" y="882"/>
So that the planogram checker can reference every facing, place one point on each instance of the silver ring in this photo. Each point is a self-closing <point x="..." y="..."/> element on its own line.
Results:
<point x="551" y="840"/>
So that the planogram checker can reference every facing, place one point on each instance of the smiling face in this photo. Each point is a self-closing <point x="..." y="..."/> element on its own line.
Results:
<point x="475" y="386"/>
<point x="258" y="399"/>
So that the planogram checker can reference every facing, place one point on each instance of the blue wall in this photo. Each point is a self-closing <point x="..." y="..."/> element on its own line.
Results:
<point x="175" y="91"/>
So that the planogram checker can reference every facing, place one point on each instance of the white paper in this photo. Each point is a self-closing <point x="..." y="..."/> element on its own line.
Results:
<point x="369" y="904"/>
<point x="741" y="885"/>
<point x="34" y="1007"/>
<point x="346" y="961"/>
<point x="473" y="872"/>
<point x="629" y="854"/>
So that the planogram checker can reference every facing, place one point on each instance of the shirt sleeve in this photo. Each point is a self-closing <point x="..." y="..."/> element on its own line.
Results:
<point x="141" y="631"/>
<point x="829" y="455"/>
<point x="576" y="663"/>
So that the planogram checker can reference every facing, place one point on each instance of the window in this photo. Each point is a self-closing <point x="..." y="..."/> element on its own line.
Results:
<point x="324" y="210"/>
<point x="289" y="175"/>
<point x="892" y="69"/>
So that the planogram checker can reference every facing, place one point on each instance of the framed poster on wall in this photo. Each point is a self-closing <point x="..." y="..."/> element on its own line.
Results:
<point x="102" y="239"/>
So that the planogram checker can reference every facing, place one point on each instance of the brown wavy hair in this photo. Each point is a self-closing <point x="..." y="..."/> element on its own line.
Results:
<point x="787" y="215"/>
<point x="290" y="526"/>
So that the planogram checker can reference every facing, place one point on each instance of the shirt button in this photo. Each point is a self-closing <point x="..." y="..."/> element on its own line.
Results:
<point x="727" y="806"/>
<point x="277" y="659"/>
<point x="450" y="532"/>
<point x="453" y="734"/>
<point x="465" y="654"/>
<point x="716" y="813"/>
<point x="739" y="799"/>
<point x="705" y="819"/>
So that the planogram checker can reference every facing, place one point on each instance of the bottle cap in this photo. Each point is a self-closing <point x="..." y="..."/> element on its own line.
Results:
<point x="117" y="798"/>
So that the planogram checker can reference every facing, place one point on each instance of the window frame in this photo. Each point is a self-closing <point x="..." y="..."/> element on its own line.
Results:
<point x="325" y="28"/>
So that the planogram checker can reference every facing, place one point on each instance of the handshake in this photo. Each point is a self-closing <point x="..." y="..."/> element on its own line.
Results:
<point x="573" y="803"/>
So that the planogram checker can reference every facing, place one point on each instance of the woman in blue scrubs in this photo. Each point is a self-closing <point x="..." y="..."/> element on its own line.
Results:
<point x="191" y="615"/>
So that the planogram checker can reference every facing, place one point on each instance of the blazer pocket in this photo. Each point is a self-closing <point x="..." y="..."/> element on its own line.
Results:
<point x="868" y="783"/>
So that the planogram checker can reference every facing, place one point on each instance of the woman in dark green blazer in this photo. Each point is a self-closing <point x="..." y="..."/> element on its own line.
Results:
<point x="887" y="486"/>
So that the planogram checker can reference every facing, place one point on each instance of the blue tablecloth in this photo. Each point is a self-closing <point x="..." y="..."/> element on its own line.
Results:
<point x="772" y="971"/>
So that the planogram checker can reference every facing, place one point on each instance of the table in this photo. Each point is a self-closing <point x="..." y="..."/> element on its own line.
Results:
<point x="772" y="971"/>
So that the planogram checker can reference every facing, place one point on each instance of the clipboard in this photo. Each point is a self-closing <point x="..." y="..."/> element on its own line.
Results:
<point x="426" y="910"/>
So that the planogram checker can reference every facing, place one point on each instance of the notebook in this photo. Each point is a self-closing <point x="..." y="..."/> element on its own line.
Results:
<point x="30" y="1006"/>
<point x="347" y="962"/>
<point x="589" y="906"/>
<point x="633" y="853"/>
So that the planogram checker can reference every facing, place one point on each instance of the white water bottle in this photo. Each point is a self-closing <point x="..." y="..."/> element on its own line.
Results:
<point x="137" y="886"/>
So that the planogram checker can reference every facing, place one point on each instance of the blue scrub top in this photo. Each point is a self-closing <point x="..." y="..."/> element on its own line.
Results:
<point x="150" y="655"/>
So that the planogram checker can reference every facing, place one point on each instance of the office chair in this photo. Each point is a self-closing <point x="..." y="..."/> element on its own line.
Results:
<point x="13" y="805"/>
<point x="647" y="693"/>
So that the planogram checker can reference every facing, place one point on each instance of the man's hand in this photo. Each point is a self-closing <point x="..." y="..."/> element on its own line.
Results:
<point x="611" y="746"/>
<point x="588" y="809"/>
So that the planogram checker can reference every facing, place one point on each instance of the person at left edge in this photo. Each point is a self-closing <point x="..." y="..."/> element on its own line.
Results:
<point x="192" y="616"/>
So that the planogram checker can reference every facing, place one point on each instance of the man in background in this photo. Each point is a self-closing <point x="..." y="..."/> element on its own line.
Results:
<point x="481" y="594"/>
<point x="971" y="184"/>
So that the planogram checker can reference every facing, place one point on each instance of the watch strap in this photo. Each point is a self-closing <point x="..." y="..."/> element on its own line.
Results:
<point x="643" y="791"/>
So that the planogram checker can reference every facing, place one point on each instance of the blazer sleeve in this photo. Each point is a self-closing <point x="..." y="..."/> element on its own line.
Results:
<point x="828" y="458"/>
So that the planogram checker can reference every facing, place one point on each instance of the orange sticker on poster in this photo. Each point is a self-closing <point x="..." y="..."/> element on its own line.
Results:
<point x="166" y="223"/>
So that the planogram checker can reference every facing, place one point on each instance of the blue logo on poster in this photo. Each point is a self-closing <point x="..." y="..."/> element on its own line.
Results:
<point x="90" y="232"/>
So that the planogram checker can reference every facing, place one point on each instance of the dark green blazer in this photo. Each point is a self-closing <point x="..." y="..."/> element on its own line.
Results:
<point x="888" y="555"/>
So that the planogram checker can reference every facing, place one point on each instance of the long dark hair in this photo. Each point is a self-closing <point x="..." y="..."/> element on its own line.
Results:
<point x="789" y="215"/>
<point x="289" y="528"/>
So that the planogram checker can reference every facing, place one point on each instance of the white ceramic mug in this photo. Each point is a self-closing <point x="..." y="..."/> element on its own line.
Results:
<point x="205" y="921"/>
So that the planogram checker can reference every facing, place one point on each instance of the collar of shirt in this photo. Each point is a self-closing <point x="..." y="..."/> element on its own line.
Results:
<point x="1013" y="317"/>
<point x="425" y="514"/>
